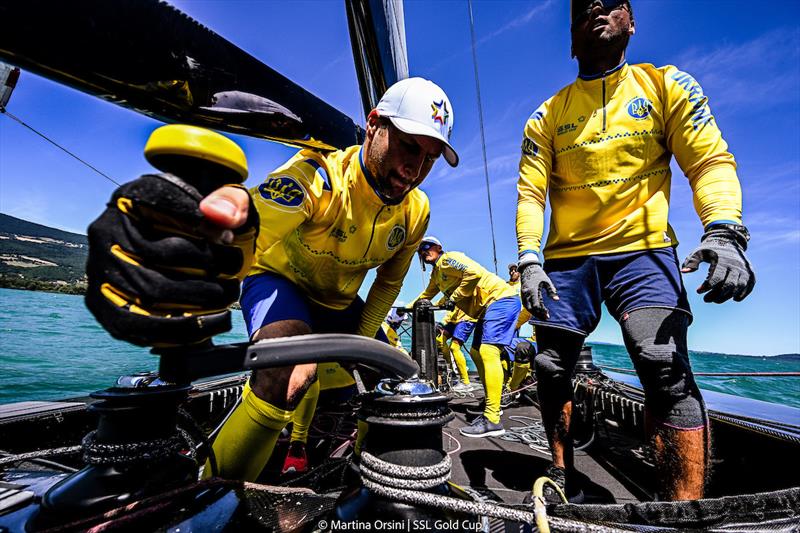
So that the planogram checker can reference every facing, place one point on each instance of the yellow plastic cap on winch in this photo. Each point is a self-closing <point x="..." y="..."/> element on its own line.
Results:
<point x="195" y="142"/>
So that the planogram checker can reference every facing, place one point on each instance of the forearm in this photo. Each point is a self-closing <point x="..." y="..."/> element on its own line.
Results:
<point x="379" y="301"/>
<point x="530" y="225"/>
<point x="718" y="195"/>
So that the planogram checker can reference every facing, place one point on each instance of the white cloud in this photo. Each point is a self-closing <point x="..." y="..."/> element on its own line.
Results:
<point x="517" y="22"/>
<point x="755" y="74"/>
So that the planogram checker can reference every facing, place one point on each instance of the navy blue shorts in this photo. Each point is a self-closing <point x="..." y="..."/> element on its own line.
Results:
<point x="625" y="282"/>
<point x="497" y="324"/>
<point x="268" y="298"/>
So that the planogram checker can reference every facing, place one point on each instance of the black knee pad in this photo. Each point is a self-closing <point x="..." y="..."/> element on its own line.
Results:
<point x="558" y="353"/>
<point x="656" y="341"/>
<point x="523" y="352"/>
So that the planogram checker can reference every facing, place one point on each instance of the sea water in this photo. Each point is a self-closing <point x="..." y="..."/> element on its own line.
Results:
<point x="51" y="347"/>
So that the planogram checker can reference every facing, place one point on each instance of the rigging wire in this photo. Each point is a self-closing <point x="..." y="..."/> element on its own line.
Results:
<point x="483" y="135"/>
<point x="4" y="111"/>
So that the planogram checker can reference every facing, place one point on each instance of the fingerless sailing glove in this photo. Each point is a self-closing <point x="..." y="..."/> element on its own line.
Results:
<point x="730" y="274"/>
<point x="155" y="277"/>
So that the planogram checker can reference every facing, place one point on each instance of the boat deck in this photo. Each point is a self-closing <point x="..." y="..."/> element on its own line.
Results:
<point x="504" y="470"/>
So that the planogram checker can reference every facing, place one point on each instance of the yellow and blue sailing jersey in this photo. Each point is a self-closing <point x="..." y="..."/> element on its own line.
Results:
<point x="471" y="287"/>
<point x="455" y="316"/>
<point x="601" y="148"/>
<point x="323" y="227"/>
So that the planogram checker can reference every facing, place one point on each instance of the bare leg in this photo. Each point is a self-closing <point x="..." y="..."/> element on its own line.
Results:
<point x="676" y="418"/>
<point x="283" y="387"/>
<point x="246" y="441"/>
<point x="681" y="459"/>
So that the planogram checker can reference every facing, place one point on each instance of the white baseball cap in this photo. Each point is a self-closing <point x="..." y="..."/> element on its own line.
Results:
<point x="420" y="107"/>
<point x="430" y="239"/>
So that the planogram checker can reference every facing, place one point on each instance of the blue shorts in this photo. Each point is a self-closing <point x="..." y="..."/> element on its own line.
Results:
<point x="625" y="282"/>
<point x="268" y="298"/>
<point x="463" y="330"/>
<point x="497" y="324"/>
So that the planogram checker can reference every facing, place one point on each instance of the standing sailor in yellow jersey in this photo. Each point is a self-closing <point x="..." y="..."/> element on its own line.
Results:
<point x="457" y="326"/>
<point x="326" y="220"/>
<point x="495" y="304"/>
<point x="601" y="148"/>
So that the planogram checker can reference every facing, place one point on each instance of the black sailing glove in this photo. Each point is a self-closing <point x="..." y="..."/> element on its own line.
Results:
<point x="533" y="280"/>
<point x="730" y="274"/>
<point x="155" y="277"/>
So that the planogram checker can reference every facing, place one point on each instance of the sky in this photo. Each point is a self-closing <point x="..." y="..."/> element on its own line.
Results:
<point x="745" y="55"/>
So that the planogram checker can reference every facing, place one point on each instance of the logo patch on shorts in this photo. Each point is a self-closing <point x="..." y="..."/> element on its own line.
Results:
<point x="282" y="190"/>
<point x="396" y="237"/>
<point x="639" y="108"/>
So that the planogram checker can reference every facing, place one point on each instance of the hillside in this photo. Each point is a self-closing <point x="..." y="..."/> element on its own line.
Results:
<point x="33" y="256"/>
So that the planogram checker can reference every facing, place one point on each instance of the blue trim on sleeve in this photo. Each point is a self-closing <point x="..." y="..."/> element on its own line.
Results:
<point x="718" y="222"/>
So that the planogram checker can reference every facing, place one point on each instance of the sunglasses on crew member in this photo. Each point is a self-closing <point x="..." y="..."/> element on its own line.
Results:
<point x="424" y="247"/>
<point x="581" y="9"/>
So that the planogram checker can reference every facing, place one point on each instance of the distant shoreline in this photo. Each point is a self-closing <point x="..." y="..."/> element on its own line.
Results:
<point x="27" y="284"/>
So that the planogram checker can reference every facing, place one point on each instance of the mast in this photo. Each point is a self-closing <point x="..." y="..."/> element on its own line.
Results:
<point x="378" y="38"/>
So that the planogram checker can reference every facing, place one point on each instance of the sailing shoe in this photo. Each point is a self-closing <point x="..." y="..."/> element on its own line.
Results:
<point x="481" y="427"/>
<point x="509" y="399"/>
<point x="479" y="409"/>
<point x="462" y="388"/>
<point x="296" y="460"/>
<point x="551" y="495"/>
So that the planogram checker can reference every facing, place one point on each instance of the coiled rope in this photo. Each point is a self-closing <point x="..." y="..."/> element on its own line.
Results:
<point x="400" y="477"/>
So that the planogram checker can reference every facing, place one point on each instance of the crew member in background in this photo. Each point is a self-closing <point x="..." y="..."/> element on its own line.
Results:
<point x="601" y="148"/>
<point x="391" y="327"/>
<point x="457" y="326"/>
<point x="495" y="304"/>
<point x="334" y="382"/>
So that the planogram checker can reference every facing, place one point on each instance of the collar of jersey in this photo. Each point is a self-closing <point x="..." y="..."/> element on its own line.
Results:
<point x="611" y="76"/>
<point x="370" y="179"/>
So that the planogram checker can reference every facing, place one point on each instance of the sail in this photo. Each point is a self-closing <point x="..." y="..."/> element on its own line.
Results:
<point x="378" y="37"/>
<point x="148" y="56"/>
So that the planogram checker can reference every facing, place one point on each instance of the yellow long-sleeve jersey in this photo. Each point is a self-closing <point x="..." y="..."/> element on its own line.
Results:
<point x="323" y="227"/>
<point x="455" y="316"/>
<point x="471" y="287"/>
<point x="601" y="149"/>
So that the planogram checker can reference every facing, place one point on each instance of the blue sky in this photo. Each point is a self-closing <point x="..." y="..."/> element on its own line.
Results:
<point x="746" y="56"/>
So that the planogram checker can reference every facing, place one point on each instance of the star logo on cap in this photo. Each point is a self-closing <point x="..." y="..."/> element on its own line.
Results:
<point x="440" y="113"/>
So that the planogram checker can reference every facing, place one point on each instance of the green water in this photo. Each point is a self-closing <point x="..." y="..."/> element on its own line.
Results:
<point x="52" y="348"/>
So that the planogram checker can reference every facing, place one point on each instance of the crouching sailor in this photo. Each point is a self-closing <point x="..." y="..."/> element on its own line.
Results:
<point x="326" y="220"/>
<point x="165" y="263"/>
